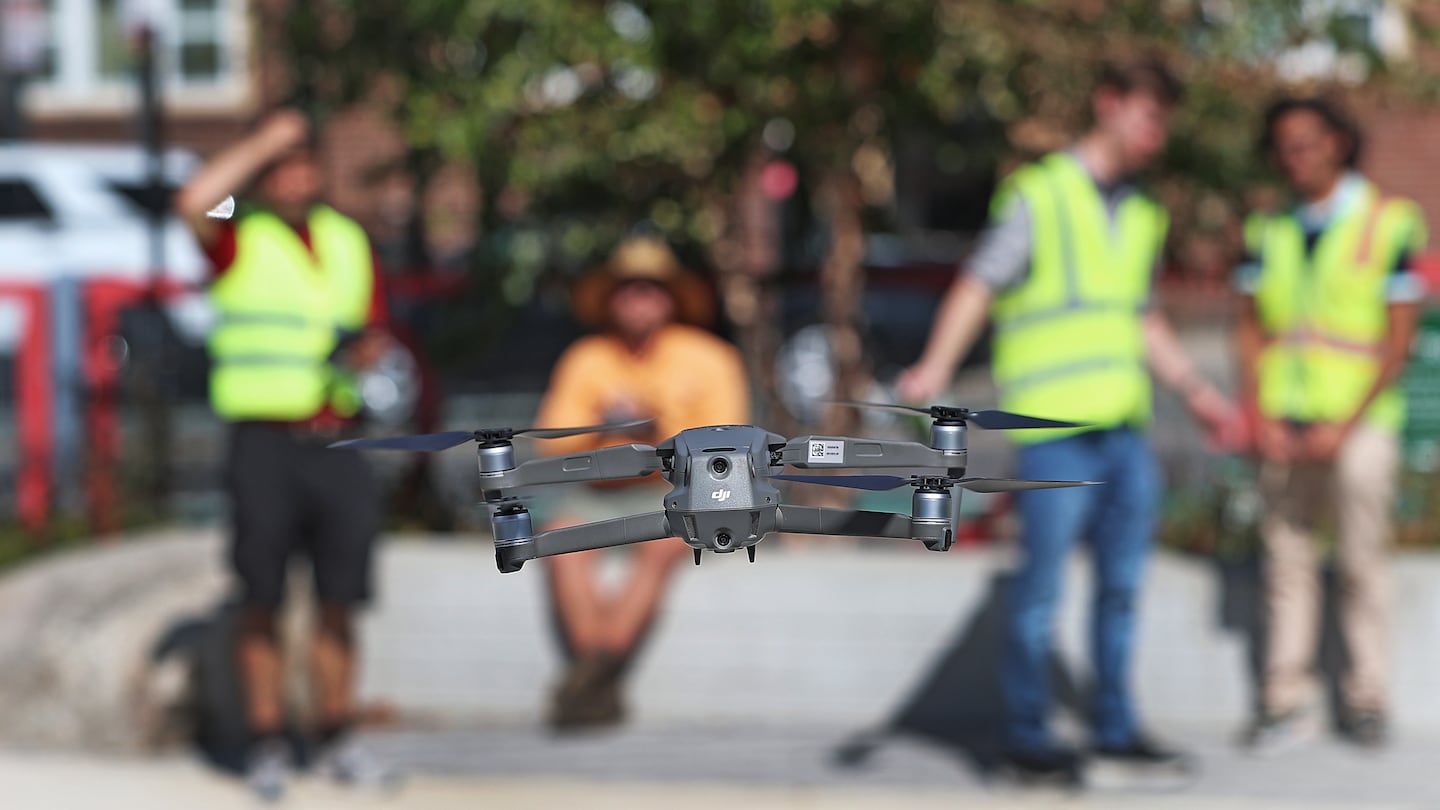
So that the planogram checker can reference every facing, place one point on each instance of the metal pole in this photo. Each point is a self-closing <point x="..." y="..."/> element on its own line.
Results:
<point x="154" y="382"/>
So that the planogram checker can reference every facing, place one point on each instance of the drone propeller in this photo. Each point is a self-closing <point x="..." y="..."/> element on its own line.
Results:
<point x="433" y="442"/>
<point x="882" y="483"/>
<point x="990" y="420"/>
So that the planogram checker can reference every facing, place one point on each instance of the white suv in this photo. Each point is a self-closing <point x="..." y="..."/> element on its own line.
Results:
<point x="79" y="212"/>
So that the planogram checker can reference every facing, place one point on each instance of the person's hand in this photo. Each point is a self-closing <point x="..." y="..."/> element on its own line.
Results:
<point x="1221" y="419"/>
<point x="366" y="350"/>
<point x="1322" y="440"/>
<point x="1275" y="441"/>
<point x="284" y="130"/>
<point x="626" y="410"/>
<point x="921" y="383"/>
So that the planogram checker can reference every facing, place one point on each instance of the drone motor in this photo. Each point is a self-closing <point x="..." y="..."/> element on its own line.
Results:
<point x="930" y="513"/>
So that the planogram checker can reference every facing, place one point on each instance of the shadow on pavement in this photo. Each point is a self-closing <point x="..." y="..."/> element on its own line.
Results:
<point x="959" y="704"/>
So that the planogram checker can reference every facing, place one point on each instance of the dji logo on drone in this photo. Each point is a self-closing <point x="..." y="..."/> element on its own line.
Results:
<point x="720" y="495"/>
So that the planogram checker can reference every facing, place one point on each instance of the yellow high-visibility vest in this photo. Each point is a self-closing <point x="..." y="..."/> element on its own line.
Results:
<point x="1326" y="314"/>
<point x="281" y="310"/>
<point x="1069" y="341"/>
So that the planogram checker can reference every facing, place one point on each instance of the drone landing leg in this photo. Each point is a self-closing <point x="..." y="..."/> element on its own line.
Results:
<point x="750" y="550"/>
<point x="697" y="556"/>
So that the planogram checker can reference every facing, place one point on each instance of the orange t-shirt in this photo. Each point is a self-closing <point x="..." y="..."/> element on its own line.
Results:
<point x="684" y="378"/>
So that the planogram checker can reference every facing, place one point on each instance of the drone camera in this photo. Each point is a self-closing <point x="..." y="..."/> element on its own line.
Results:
<point x="719" y="466"/>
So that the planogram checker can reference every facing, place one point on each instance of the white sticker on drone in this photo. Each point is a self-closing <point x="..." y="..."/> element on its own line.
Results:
<point x="826" y="453"/>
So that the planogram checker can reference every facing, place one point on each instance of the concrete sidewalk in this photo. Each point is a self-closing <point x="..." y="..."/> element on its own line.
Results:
<point x="752" y="679"/>
<point x="519" y="768"/>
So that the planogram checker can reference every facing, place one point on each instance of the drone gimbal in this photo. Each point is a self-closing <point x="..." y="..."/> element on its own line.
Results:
<point x="723" y="497"/>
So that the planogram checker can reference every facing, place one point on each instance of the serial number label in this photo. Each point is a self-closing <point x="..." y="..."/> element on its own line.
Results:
<point x="826" y="453"/>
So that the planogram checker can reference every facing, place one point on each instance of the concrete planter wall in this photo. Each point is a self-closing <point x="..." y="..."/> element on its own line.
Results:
<point x="829" y="635"/>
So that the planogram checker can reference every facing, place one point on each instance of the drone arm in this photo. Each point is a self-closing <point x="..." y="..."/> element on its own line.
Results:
<point x="843" y="522"/>
<point x="606" y="464"/>
<point x="937" y="535"/>
<point x="836" y="452"/>
<point x="607" y="533"/>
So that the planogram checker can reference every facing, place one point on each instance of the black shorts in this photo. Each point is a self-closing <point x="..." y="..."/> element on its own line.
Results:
<point x="289" y="495"/>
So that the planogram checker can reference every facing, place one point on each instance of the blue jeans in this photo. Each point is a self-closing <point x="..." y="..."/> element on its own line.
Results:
<point x="1118" y="519"/>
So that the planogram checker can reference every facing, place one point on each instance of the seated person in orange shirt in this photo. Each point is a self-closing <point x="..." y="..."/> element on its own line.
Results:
<point x="652" y="360"/>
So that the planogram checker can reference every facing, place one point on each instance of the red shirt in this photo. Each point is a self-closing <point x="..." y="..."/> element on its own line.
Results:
<point x="222" y="256"/>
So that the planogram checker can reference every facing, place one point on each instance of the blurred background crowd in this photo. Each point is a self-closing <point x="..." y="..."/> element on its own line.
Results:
<point x="825" y="165"/>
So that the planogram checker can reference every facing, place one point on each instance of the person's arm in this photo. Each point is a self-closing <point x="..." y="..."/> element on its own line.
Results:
<point x="1324" y="439"/>
<point x="958" y="322"/>
<point x="233" y="168"/>
<point x="1174" y="369"/>
<point x="571" y="400"/>
<point x="374" y="339"/>
<point x="1403" y="319"/>
<point x="1001" y="261"/>
<point x="1404" y="293"/>
<point x="1249" y="342"/>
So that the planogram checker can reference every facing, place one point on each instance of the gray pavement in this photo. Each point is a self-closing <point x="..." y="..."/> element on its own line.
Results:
<point x="718" y="767"/>
<point x="1325" y="774"/>
<point x="754" y="677"/>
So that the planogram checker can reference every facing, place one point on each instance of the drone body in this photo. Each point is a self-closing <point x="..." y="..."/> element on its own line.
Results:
<point x="722" y="498"/>
<point x="723" y="495"/>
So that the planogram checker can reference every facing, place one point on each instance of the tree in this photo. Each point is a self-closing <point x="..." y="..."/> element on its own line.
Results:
<point x="580" y="118"/>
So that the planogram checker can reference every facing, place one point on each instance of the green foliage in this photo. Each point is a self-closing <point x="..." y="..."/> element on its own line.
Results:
<point x="582" y="118"/>
<point x="619" y="107"/>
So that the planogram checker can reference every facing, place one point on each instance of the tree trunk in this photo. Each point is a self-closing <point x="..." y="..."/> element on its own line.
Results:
<point x="842" y="287"/>
<point x="745" y="260"/>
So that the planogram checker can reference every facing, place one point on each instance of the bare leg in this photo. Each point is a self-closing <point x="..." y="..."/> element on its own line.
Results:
<point x="332" y="666"/>
<point x="261" y="672"/>
<point x="635" y="606"/>
<point x="575" y="596"/>
<point x="584" y="695"/>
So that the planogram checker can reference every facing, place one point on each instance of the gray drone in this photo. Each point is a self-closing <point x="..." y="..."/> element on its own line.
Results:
<point x="723" y="496"/>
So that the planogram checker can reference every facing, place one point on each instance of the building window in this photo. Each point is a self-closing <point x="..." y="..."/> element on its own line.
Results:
<point x="202" y="53"/>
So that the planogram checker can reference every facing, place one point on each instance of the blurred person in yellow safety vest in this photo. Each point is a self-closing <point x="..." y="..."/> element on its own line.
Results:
<point x="1330" y="302"/>
<point x="1065" y="269"/>
<point x="300" y="310"/>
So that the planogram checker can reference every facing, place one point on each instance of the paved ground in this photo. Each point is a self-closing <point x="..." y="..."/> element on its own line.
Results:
<point x="713" y="768"/>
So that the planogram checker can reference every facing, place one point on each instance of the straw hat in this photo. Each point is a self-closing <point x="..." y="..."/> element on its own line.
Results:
<point x="642" y="258"/>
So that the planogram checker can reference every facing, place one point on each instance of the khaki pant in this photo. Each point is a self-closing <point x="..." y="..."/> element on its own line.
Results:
<point x="1358" y="490"/>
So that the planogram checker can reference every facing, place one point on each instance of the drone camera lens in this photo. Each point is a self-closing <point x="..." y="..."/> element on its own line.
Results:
<point x="719" y="465"/>
<point x="722" y="540"/>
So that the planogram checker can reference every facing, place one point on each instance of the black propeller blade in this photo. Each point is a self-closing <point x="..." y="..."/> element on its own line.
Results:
<point x="990" y="420"/>
<point x="433" y="442"/>
<point x="425" y="442"/>
<point x="560" y="433"/>
<point x="881" y="483"/>
<point x="1016" y="484"/>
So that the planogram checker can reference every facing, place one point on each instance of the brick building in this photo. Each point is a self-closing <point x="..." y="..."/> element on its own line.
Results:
<point x="225" y="62"/>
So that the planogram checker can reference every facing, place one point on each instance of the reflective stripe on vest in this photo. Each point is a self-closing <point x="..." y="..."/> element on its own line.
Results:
<point x="281" y="309"/>
<point x="1326" y="314"/>
<point x="1069" y="340"/>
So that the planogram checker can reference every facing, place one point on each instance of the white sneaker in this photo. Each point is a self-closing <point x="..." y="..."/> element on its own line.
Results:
<point x="350" y="762"/>
<point x="268" y="770"/>
<point x="1275" y="734"/>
